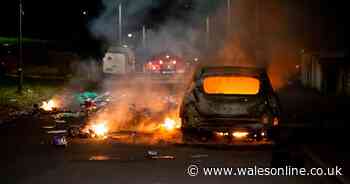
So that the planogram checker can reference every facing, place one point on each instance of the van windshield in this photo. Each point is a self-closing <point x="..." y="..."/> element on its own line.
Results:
<point x="231" y="85"/>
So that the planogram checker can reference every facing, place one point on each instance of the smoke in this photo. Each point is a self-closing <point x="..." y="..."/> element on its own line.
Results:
<point x="173" y="26"/>
<point x="105" y="25"/>
<point x="257" y="35"/>
<point x="141" y="105"/>
<point x="261" y="35"/>
<point x="172" y="38"/>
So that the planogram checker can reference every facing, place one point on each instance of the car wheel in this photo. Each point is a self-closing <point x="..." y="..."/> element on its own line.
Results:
<point x="191" y="117"/>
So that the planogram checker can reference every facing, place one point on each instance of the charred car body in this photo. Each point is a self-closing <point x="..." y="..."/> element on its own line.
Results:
<point x="230" y="101"/>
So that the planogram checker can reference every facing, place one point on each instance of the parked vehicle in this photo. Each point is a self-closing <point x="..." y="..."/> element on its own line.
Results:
<point x="118" y="61"/>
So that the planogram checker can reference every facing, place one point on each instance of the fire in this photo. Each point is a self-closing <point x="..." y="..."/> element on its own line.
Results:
<point x="171" y="124"/>
<point x="99" y="129"/>
<point x="231" y="85"/>
<point x="49" y="105"/>
<point x="240" y="134"/>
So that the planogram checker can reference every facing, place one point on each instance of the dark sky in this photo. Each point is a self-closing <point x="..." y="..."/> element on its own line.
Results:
<point x="63" y="19"/>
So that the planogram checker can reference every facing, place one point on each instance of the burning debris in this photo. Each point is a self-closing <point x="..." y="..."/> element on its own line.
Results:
<point x="101" y="115"/>
<point x="49" y="105"/>
<point x="170" y="124"/>
<point x="99" y="130"/>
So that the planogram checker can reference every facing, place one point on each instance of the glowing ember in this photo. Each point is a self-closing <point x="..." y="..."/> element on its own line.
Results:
<point x="49" y="105"/>
<point x="170" y="124"/>
<point x="99" y="129"/>
<point x="231" y="85"/>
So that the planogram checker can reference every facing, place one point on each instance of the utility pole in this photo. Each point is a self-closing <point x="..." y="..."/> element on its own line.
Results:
<point x="120" y="25"/>
<point x="258" y="34"/>
<point x="20" y="51"/>
<point x="207" y="32"/>
<point x="144" y="36"/>
<point x="228" y="18"/>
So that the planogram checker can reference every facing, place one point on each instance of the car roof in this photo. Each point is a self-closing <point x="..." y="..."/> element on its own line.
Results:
<point x="215" y="70"/>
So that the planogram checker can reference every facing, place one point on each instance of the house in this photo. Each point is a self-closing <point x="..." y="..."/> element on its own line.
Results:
<point x="327" y="72"/>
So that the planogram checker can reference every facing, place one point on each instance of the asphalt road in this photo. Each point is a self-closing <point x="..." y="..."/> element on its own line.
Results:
<point x="26" y="158"/>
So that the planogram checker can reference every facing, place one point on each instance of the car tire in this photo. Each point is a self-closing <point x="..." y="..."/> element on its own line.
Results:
<point x="191" y="117"/>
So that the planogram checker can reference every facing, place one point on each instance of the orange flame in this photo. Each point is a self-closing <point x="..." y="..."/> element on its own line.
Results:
<point x="99" y="129"/>
<point x="171" y="124"/>
<point x="49" y="105"/>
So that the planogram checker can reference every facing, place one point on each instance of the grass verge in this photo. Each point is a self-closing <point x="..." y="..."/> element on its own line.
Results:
<point x="34" y="91"/>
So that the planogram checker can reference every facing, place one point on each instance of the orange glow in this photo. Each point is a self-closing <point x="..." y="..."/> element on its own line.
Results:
<point x="221" y="134"/>
<point x="49" y="105"/>
<point x="99" y="129"/>
<point x="171" y="124"/>
<point x="240" y="135"/>
<point x="231" y="85"/>
<point x="275" y="121"/>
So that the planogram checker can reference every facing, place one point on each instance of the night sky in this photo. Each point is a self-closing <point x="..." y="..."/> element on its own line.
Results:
<point x="64" y="19"/>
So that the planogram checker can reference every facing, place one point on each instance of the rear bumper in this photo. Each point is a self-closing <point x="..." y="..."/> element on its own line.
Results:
<point x="230" y="124"/>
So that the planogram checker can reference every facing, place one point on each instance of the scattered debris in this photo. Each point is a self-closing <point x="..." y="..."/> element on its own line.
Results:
<point x="48" y="127"/>
<point x="164" y="157"/>
<point x="13" y="100"/>
<point x="56" y="131"/>
<point x="74" y="131"/>
<point x="152" y="153"/>
<point x="103" y="158"/>
<point x="60" y="121"/>
<point x="59" y="140"/>
<point x="200" y="156"/>
<point x="67" y="115"/>
<point x="155" y="155"/>
<point x="82" y="97"/>
<point x="19" y="113"/>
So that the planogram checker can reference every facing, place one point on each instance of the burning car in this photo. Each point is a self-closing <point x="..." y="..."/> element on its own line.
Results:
<point x="234" y="102"/>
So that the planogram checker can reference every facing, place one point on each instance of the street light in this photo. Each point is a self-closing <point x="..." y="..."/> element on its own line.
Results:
<point x="130" y="35"/>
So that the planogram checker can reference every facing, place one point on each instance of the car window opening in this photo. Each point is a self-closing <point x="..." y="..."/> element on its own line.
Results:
<point x="231" y="85"/>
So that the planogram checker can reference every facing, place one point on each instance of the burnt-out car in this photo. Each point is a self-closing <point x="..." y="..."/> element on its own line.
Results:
<point x="236" y="102"/>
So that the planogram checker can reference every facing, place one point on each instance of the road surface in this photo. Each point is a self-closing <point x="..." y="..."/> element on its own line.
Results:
<point x="25" y="158"/>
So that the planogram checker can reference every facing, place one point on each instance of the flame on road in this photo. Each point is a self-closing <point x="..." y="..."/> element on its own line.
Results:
<point x="49" y="105"/>
<point x="99" y="129"/>
<point x="171" y="124"/>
